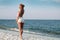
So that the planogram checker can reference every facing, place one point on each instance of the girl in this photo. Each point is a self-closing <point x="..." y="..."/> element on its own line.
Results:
<point x="20" y="20"/>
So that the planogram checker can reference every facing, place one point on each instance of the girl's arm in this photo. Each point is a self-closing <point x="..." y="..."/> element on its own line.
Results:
<point x="18" y="14"/>
<point x="17" y="17"/>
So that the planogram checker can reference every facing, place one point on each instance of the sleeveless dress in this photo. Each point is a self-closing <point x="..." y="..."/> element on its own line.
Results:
<point x="20" y="19"/>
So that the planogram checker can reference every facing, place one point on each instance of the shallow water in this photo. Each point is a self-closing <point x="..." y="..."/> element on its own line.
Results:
<point x="51" y="27"/>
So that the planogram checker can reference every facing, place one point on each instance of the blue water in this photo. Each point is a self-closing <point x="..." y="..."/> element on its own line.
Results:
<point x="44" y="26"/>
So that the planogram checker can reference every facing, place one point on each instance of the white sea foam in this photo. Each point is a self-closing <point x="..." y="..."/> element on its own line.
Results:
<point x="36" y="33"/>
<point x="26" y="31"/>
<point x="13" y="35"/>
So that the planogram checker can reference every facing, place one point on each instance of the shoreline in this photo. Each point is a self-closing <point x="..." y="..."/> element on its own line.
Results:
<point x="13" y="35"/>
<point x="36" y="33"/>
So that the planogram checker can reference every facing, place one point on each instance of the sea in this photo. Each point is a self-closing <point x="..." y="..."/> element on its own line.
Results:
<point x="45" y="27"/>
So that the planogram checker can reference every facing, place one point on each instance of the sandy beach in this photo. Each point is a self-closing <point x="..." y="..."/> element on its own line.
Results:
<point x="14" y="35"/>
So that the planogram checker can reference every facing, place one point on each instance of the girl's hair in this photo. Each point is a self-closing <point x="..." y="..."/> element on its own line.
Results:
<point x="22" y="5"/>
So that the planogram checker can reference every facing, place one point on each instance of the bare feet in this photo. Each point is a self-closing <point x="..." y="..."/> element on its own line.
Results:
<point x="20" y="38"/>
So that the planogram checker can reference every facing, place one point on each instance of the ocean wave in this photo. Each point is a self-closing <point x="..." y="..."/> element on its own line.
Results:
<point x="49" y="33"/>
<point x="32" y="30"/>
<point x="38" y="33"/>
<point x="26" y="31"/>
<point x="4" y="27"/>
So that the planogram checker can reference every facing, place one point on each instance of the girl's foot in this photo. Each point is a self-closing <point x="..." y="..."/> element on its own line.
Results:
<point x="20" y="38"/>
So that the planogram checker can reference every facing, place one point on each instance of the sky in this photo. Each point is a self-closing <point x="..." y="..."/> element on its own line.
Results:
<point x="34" y="9"/>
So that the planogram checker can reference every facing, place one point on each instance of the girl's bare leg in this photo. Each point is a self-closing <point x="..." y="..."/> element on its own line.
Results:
<point x="20" y="26"/>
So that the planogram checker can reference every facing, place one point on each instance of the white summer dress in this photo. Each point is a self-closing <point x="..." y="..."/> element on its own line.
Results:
<point x="20" y="19"/>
